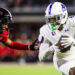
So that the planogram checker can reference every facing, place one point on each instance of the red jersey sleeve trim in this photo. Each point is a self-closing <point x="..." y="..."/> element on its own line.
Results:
<point x="19" y="46"/>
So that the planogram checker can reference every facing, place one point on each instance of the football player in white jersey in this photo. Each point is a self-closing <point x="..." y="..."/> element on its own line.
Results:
<point x="58" y="24"/>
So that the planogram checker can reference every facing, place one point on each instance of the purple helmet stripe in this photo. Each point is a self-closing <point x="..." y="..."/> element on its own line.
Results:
<point x="63" y="7"/>
<point x="50" y="8"/>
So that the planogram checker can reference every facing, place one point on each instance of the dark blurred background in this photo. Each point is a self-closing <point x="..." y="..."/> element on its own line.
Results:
<point x="28" y="17"/>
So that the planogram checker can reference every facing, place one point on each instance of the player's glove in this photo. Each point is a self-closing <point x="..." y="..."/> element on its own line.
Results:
<point x="54" y="48"/>
<point x="66" y="42"/>
<point x="34" y="45"/>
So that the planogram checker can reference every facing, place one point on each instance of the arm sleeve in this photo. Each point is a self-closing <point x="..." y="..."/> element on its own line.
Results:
<point x="18" y="46"/>
<point x="15" y="45"/>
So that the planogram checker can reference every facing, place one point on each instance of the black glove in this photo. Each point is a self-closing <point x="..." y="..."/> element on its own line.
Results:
<point x="32" y="46"/>
<point x="1" y="29"/>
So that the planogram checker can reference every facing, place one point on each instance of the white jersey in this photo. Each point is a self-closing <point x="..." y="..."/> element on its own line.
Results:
<point x="48" y="38"/>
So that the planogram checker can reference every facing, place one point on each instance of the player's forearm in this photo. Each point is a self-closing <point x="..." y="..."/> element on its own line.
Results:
<point x="15" y="45"/>
<point x="18" y="46"/>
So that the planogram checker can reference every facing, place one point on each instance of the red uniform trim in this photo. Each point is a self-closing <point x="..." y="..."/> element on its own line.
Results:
<point x="16" y="45"/>
<point x="19" y="46"/>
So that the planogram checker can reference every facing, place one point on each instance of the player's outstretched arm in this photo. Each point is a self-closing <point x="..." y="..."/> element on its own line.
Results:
<point x="19" y="46"/>
<point x="15" y="45"/>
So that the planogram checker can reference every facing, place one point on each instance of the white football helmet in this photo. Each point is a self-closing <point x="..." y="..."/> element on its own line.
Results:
<point x="57" y="10"/>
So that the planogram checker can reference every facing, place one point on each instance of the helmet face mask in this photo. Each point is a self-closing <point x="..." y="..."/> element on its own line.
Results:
<point x="57" y="18"/>
<point x="54" y="22"/>
<point x="6" y="20"/>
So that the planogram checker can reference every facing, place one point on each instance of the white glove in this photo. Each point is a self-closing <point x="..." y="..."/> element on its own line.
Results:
<point x="67" y="41"/>
<point x="54" y="48"/>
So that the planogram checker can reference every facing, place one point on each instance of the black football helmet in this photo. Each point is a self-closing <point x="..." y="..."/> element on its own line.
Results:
<point x="5" y="16"/>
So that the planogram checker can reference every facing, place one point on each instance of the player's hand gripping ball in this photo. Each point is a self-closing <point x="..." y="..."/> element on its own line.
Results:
<point x="62" y="48"/>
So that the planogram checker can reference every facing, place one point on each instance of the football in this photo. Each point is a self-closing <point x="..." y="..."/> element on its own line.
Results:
<point x="62" y="49"/>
